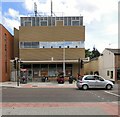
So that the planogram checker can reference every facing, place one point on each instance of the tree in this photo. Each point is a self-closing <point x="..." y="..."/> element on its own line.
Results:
<point x="92" y="54"/>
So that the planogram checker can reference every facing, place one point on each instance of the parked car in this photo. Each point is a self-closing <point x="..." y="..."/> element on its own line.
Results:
<point x="94" y="81"/>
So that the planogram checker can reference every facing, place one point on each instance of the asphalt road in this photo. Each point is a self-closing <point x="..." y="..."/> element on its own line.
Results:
<point x="53" y="102"/>
<point x="58" y="95"/>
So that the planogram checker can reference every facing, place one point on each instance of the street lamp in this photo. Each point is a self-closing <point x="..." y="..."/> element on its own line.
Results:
<point x="64" y="58"/>
<point x="16" y="72"/>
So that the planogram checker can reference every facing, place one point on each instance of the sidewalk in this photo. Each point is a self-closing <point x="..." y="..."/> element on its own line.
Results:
<point x="38" y="85"/>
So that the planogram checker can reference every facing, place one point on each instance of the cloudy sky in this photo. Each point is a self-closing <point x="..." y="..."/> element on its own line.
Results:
<point x="100" y="17"/>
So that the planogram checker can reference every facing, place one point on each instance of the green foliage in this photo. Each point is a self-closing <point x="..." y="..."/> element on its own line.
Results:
<point x="92" y="54"/>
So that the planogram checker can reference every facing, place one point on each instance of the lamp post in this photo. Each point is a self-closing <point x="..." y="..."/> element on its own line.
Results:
<point x="17" y="65"/>
<point x="64" y="58"/>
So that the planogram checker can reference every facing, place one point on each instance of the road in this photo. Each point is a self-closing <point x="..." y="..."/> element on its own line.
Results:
<point x="56" y="95"/>
<point x="59" y="101"/>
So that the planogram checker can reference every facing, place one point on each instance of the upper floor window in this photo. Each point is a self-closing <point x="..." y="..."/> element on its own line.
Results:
<point x="43" y="23"/>
<point x="51" y="21"/>
<point x="60" y="44"/>
<point x="5" y="36"/>
<point x="75" y="23"/>
<point x="28" y="23"/>
<point x="29" y="44"/>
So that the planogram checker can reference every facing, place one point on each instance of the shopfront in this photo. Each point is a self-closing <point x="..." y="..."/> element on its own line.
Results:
<point x="37" y="71"/>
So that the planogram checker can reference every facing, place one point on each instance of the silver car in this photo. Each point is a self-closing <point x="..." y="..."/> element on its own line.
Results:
<point x="94" y="81"/>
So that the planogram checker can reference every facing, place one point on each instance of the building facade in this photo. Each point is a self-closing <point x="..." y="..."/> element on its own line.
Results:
<point x="92" y="66"/>
<point x="50" y="45"/>
<point x="6" y="53"/>
<point x="109" y="64"/>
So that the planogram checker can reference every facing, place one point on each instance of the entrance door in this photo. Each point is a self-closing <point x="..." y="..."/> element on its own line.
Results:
<point x="118" y="74"/>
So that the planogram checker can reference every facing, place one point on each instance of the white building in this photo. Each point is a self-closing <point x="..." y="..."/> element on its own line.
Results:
<point x="109" y="64"/>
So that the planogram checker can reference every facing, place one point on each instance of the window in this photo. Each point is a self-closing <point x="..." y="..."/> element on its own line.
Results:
<point x="53" y="21"/>
<point x="27" y="44"/>
<point x="49" y="21"/>
<point x="107" y="73"/>
<point x="81" y="20"/>
<point x="35" y="44"/>
<point x="75" y="23"/>
<point x="52" y="70"/>
<point x="27" y="23"/>
<point x="111" y="75"/>
<point x="5" y="36"/>
<point x="33" y="21"/>
<point x="69" y="21"/>
<point x="43" y="23"/>
<point x="65" y="21"/>
<point x="59" y="44"/>
<point x="98" y="78"/>
<point x="90" y="78"/>
<point x="6" y="66"/>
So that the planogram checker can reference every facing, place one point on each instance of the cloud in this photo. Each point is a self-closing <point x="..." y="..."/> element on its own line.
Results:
<point x="0" y="16"/>
<point x="11" y="19"/>
<point x="12" y="13"/>
<point x="112" y="29"/>
<point x="99" y="17"/>
<point x="10" y="24"/>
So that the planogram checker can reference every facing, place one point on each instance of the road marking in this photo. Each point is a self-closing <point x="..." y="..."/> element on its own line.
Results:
<point x="112" y="93"/>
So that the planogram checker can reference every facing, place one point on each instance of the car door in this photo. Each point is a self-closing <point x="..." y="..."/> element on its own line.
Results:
<point x="90" y="81"/>
<point x="99" y="82"/>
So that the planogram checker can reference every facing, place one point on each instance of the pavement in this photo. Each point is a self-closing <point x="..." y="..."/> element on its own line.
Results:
<point x="55" y="108"/>
<point x="38" y="85"/>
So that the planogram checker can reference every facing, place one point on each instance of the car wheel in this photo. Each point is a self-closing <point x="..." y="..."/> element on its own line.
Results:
<point x="109" y="87"/>
<point x="85" y="87"/>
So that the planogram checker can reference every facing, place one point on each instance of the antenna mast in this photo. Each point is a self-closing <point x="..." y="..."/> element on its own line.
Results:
<point x="35" y="9"/>
<point x="51" y="9"/>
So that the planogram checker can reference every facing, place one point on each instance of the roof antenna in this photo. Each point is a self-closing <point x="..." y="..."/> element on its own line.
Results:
<point x="35" y="9"/>
<point x="51" y="9"/>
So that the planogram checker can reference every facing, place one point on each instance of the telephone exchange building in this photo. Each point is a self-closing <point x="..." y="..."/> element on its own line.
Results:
<point x="50" y="45"/>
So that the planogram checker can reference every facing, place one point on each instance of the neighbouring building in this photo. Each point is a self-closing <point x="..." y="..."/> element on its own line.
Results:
<point x="50" y="45"/>
<point x="6" y="53"/>
<point x="92" y="66"/>
<point x="109" y="64"/>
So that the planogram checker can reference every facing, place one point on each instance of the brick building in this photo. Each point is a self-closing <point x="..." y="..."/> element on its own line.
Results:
<point x="6" y="53"/>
